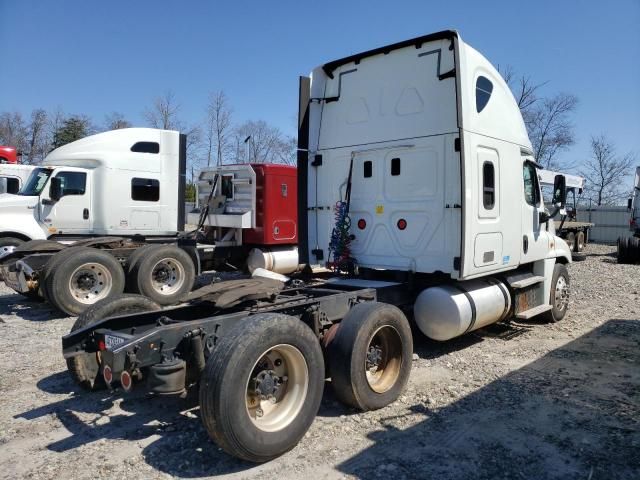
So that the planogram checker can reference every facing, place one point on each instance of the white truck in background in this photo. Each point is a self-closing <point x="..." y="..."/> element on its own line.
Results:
<point x="575" y="233"/>
<point x="418" y="198"/>
<point x="13" y="176"/>
<point x="629" y="247"/>
<point x="107" y="213"/>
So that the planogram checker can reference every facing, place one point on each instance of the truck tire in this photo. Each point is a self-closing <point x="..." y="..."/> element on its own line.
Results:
<point x="271" y="355"/>
<point x="579" y="242"/>
<point x="164" y="273"/>
<point x="633" y="250"/>
<point x="85" y="368"/>
<point x="571" y="241"/>
<point x="559" y="297"/>
<point x="623" y="250"/>
<point x="370" y="356"/>
<point x="131" y="269"/>
<point x="78" y="277"/>
<point x="9" y="244"/>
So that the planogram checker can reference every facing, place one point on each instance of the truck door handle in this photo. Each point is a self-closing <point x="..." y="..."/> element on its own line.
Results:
<point x="85" y="214"/>
<point x="525" y="244"/>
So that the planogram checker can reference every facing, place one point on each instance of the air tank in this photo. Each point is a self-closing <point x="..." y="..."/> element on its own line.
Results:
<point x="282" y="261"/>
<point x="448" y="311"/>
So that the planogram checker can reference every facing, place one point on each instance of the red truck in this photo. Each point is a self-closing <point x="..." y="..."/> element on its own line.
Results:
<point x="8" y="154"/>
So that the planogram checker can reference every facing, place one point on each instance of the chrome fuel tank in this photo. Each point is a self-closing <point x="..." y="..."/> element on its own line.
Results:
<point x="448" y="311"/>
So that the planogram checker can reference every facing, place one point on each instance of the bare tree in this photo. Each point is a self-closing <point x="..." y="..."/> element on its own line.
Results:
<point x="115" y="121"/>
<point x="547" y="118"/>
<point x="218" y="127"/>
<point x="605" y="172"/>
<point x="38" y="144"/>
<point x="259" y="142"/>
<point x="164" y="112"/>
<point x="550" y="128"/>
<point x="523" y="88"/>
<point x="14" y="130"/>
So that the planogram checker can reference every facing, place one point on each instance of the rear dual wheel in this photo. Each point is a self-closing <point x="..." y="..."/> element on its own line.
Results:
<point x="579" y="242"/>
<point x="262" y="386"/>
<point x="628" y="250"/>
<point x="78" y="277"/>
<point x="370" y="356"/>
<point x="164" y="273"/>
<point x="571" y="241"/>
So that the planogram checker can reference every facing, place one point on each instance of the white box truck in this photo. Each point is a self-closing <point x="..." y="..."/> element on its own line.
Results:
<point x="419" y="200"/>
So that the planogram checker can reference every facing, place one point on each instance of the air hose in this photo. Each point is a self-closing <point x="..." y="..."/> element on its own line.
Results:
<point x="340" y="259"/>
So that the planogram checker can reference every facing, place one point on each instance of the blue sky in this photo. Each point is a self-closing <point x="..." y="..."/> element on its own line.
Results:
<point x="95" y="57"/>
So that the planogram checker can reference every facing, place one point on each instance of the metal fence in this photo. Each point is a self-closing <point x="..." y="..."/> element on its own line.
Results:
<point x="610" y="223"/>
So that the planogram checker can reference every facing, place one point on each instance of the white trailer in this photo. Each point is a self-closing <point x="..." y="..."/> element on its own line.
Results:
<point x="418" y="198"/>
<point x="575" y="233"/>
<point x="629" y="247"/>
<point x="106" y="214"/>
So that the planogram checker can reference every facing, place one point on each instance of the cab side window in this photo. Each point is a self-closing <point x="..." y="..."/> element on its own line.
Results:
<point x="73" y="183"/>
<point x="531" y="190"/>
<point x="13" y="185"/>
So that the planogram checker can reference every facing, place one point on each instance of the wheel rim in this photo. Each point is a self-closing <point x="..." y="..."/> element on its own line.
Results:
<point x="167" y="276"/>
<point x="384" y="359"/>
<point x="7" y="249"/>
<point x="277" y="388"/>
<point x="562" y="293"/>
<point x="90" y="282"/>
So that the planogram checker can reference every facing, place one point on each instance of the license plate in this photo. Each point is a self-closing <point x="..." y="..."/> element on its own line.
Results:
<point x="111" y="341"/>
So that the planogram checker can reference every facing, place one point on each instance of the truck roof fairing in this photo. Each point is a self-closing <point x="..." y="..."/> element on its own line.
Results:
<point x="94" y="150"/>
<point x="502" y="119"/>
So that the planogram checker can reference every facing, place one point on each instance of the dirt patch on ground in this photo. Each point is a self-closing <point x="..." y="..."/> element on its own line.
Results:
<point x="515" y="400"/>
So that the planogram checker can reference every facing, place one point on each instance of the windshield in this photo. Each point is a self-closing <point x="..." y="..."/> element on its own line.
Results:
<point x="36" y="182"/>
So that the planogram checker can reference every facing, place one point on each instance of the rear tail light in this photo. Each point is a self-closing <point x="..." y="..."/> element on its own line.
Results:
<point x="101" y="345"/>
<point x="402" y="224"/>
<point x="107" y="374"/>
<point x="126" y="381"/>
<point x="362" y="224"/>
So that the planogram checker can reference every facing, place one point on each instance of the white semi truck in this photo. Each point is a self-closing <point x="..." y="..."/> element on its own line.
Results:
<point x="419" y="200"/>
<point x="13" y="177"/>
<point x="629" y="247"/>
<point x="106" y="214"/>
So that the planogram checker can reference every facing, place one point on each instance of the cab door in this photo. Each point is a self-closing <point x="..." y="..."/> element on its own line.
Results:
<point x="71" y="213"/>
<point x="535" y="237"/>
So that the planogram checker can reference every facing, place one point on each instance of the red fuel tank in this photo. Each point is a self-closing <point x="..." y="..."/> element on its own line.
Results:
<point x="276" y="206"/>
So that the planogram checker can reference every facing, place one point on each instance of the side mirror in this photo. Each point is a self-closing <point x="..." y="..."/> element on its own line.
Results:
<point x="55" y="190"/>
<point x="543" y="217"/>
<point x="629" y="203"/>
<point x="559" y="191"/>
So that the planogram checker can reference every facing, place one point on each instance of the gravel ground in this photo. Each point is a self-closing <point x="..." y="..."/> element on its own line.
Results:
<point x="517" y="400"/>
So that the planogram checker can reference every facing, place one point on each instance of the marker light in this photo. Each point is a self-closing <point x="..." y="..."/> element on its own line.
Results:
<point x="362" y="224"/>
<point x="402" y="224"/>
